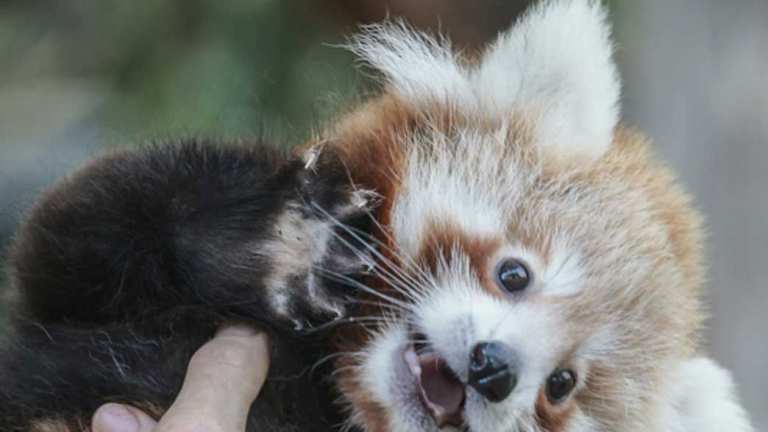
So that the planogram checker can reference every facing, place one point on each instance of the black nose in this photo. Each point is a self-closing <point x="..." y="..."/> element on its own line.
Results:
<point x="493" y="369"/>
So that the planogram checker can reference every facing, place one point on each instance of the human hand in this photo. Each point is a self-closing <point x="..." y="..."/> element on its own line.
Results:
<point x="223" y="378"/>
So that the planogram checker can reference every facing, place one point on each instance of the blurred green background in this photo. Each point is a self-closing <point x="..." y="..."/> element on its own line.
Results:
<point x="152" y="68"/>
<point x="80" y="76"/>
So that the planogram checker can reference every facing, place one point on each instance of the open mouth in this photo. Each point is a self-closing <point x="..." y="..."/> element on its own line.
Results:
<point x="440" y="390"/>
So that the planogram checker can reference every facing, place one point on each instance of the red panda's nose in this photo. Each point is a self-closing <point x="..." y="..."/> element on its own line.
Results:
<point x="493" y="369"/>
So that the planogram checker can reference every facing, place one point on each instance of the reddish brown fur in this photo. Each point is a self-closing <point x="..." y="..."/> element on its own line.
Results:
<point x="441" y="240"/>
<point x="550" y="417"/>
<point x="48" y="425"/>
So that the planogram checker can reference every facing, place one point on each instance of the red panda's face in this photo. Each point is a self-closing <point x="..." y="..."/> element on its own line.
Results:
<point x="524" y="293"/>
<point x="536" y="271"/>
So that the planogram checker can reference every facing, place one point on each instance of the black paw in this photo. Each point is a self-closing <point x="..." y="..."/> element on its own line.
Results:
<point x="323" y="248"/>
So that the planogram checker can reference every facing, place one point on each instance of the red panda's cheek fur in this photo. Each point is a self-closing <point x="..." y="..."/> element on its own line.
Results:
<point x="53" y="426"/>
<point x="553" y="418"/>
<point x="364" y="409"/>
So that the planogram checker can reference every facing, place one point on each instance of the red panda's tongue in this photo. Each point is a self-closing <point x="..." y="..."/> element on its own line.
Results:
<point x="440" y="390"/>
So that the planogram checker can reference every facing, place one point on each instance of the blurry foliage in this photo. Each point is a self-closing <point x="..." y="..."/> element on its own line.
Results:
<point x="164" y="67"/>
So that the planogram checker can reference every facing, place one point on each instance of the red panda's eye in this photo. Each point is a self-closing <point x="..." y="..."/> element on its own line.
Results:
<point x="512" y="275"/>
<point x="560" y="384"/>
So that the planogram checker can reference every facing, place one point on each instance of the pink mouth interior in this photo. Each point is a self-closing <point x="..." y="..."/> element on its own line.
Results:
<point x="440" y="390"/>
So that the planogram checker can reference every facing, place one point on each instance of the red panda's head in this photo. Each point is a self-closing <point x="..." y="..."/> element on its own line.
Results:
<point x="537" y="269"/>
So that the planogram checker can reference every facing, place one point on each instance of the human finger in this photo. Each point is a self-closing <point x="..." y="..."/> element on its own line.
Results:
<point x="223" y="378"/>
<point x="114" y="417"/>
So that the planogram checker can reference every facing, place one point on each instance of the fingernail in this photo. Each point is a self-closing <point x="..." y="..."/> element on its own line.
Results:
<point x="115" y="418"/>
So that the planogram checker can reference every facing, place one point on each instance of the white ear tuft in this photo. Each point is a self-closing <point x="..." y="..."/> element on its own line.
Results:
<point x="416" y="65"/>
<point x="555" y="64"/>
<point x="556" y="61"/>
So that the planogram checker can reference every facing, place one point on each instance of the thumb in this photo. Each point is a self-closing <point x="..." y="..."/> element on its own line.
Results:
<point x="223" y="379"/>
<point x="113" y="417"/>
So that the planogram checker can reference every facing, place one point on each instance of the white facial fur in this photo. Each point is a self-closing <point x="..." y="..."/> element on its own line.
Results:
<point x="456" y="313"/>
<point x="435" y="185"/>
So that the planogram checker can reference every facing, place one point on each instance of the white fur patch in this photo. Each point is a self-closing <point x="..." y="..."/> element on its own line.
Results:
<point x="555" y="65"/>
<point x="385" y="374"/>
<point x="557" y="62"/>
<point x="563" y="275"/>
<point x="378" y="373"/>
<point x="418" y="66"/>
<point x="702" y="399"/>
<point x="446" y="188"/>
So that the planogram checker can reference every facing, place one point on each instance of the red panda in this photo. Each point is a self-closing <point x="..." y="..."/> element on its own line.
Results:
<point x="539" y="268"/>
<point x="530" y="266"/>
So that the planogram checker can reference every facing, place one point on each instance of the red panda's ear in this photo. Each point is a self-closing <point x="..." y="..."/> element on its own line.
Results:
<point x="556" y="65"/>
<point x="418" y="67"/>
